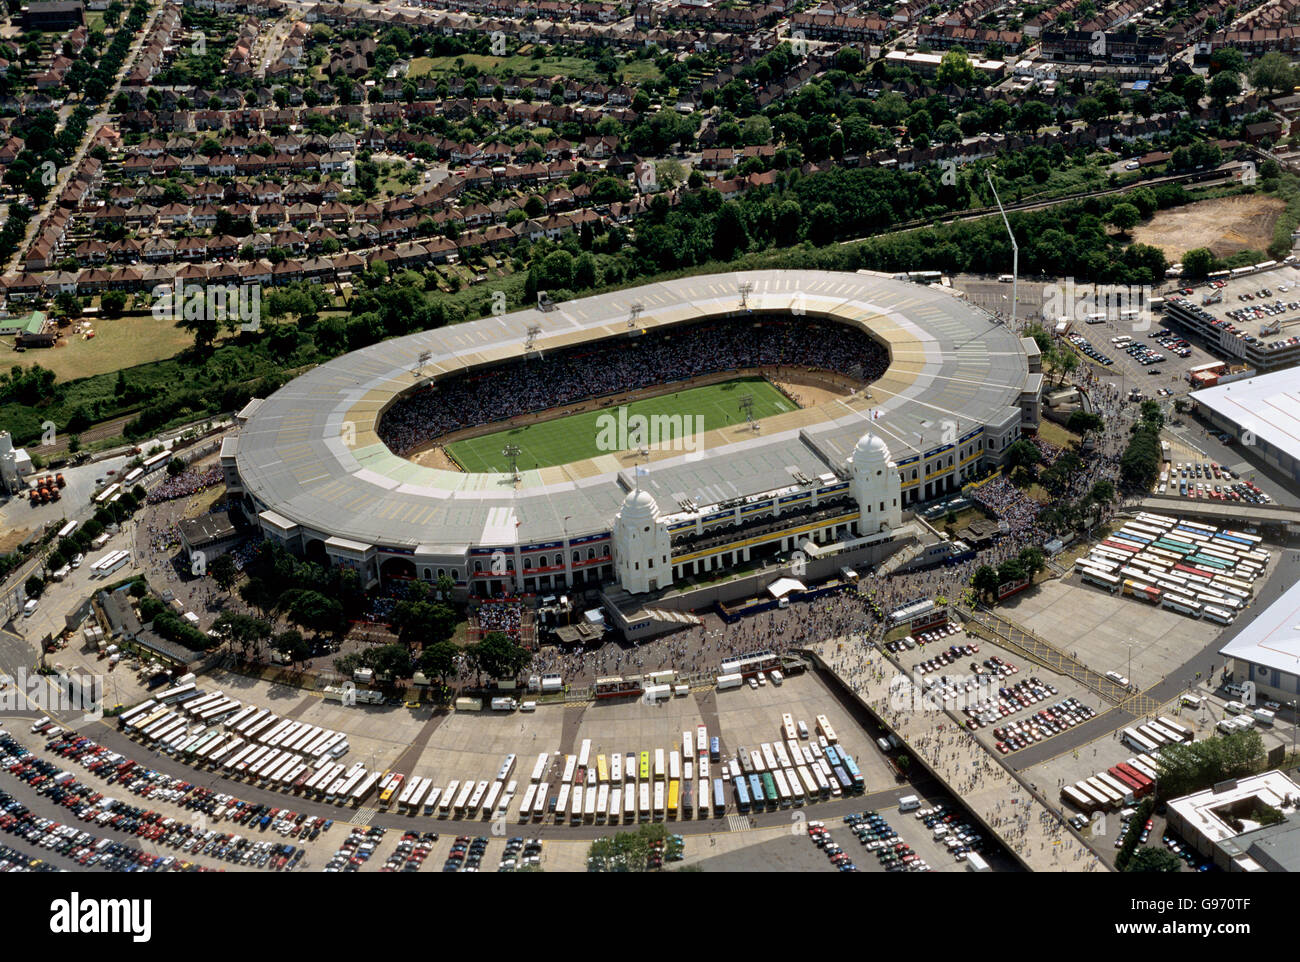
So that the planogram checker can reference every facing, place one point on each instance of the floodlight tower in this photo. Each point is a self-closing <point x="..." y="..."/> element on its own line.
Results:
<point x="745" y="289"/>
<point x="512" y="452"/>
<point x="635" y="313"/>
<point x="1015" y="249"/>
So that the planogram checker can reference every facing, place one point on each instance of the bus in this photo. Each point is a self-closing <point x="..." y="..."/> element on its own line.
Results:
<point x="448" y="798"/>
<point x="539" y="768"/>
<point x="1101" y="580"/>
<point x="629" y="803"/>
<point x="824" y="728"/>
<point x="796" y="787"/>
<point x="742" y="796"/>
<point x="809" y="783"/>
<point x="1146" y="782"/>
<point x="539" y="801"/>
<point x="1137" y="741"/>
<point x="393" y="787"/>
<point x="1175" y="732"/>
<point x="584" y="753"/>
<point x="660" y="793"/>
<point x="701" y="742"/>
<point x="782" y="758"/>
<point x="111" y="562"/>
<point x="688" y="747"/>
<point x="490" y="799"/>
<point x="1072" y="796"/>
<point x="854" y="773"/>
<point x="644" y="767"/>
<point x="570" y="767"/>
<point x="107" y="494"/>
<point x="1218" y="615"/>
<point x="594" y="802"/>
<point x="575" y="805"/>
<point x="643" y="812"/>
<point x="1125" y="792"/>
<point x="1181" y="604"/>
<point x="784" y="796"/>
<point x="1098" y="799"/>
<point x="462" y="800"/>
<point x="719" y="800"/>
<point x="770" y="797"/>
<point x="674" y="765"/>
<point x="562" y="802"/>
<point x="756" y="797"/>
<point x="823" y="785"/>
<point x="526" y="806"/>
<point x="787" y="727"/>
<point x="615" y="769"/>
<point x="756" y="762"/>
<point x="769" y="757"/>
<point x="1114" y="800"/>
<point x="674" y="788"/>
<point x="660" y="769"/>
<point x="715" y="749"/>
<point x="1155" y="735"/>
<point x="602" y="770"/>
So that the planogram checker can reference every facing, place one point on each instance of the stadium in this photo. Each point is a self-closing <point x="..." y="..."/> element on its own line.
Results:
<point x="628" y="440"/>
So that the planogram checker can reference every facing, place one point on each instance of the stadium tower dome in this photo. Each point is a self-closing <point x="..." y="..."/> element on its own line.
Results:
<point x="876" y="486"/>
<point x="642" y="549"/>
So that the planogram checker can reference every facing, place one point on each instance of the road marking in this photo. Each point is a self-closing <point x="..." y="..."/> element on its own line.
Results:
<point x="363" y="816"/>
<point x="737" y="823"/>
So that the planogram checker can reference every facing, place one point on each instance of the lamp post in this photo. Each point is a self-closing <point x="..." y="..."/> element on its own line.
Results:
<point x="1015" y="249"/>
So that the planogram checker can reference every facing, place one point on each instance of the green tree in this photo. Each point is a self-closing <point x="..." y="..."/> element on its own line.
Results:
<point x="224" y="572"/>
<point x="1154" y="860"/>
<point x="1124" y="216"/>
<point x="955" y="68"/>
<point x="1273" y="72"/>
<point x="1199" y="262"/>
<point x="985" y="580"/>
<point x="439" y="660"/>
<point x="500" y="657"/>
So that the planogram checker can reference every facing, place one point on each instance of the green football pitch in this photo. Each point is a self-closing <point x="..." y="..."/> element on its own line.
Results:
<point x="581" y="436"/>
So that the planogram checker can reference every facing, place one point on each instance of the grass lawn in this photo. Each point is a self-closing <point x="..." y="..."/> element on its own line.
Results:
<point x="1054" y="433"/>
<point x="119" y="342"/>
<point x="568" y="68"/>
<point x="579" y="436"/>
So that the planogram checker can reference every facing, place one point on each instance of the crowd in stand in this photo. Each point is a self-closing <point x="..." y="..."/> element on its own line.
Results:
<point x="569" y="377"/>
<point x="504" y="616"/>
<point x="185" y="484"/>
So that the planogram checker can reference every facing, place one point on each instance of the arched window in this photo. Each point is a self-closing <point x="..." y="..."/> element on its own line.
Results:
<point x="478" y="567"/>
<point x="559" y="559"/>
<point x="577" y="556"/>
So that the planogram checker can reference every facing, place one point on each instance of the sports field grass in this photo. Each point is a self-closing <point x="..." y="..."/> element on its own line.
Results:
<point x="586" y="435"/>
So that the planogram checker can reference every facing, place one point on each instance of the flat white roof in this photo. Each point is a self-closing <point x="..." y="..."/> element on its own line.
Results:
<point x="1272" y="639"/>
<point x="1198" y="810"/>
<point x="1268" y="406"/>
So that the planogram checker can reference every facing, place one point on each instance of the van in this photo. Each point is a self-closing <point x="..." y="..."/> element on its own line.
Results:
<point x="1263" y="716"/>
<point x="1190" y="701"/>
<point x="1235" y="690"/>
<point x="803" y="729"/>
<point x="783" y="603"/>
<point x="528" y="706"/>
<point x="1234" y="707"/>
<point x="681" y="691"/>
<point x="883" y="744"/>
<point x="29" y="609"/>
<point x="776" y="677"/>
<point x="909" y="803"/>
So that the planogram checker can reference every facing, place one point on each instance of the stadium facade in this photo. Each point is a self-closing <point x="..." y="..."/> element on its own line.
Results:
<point x="959" y="389"/>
